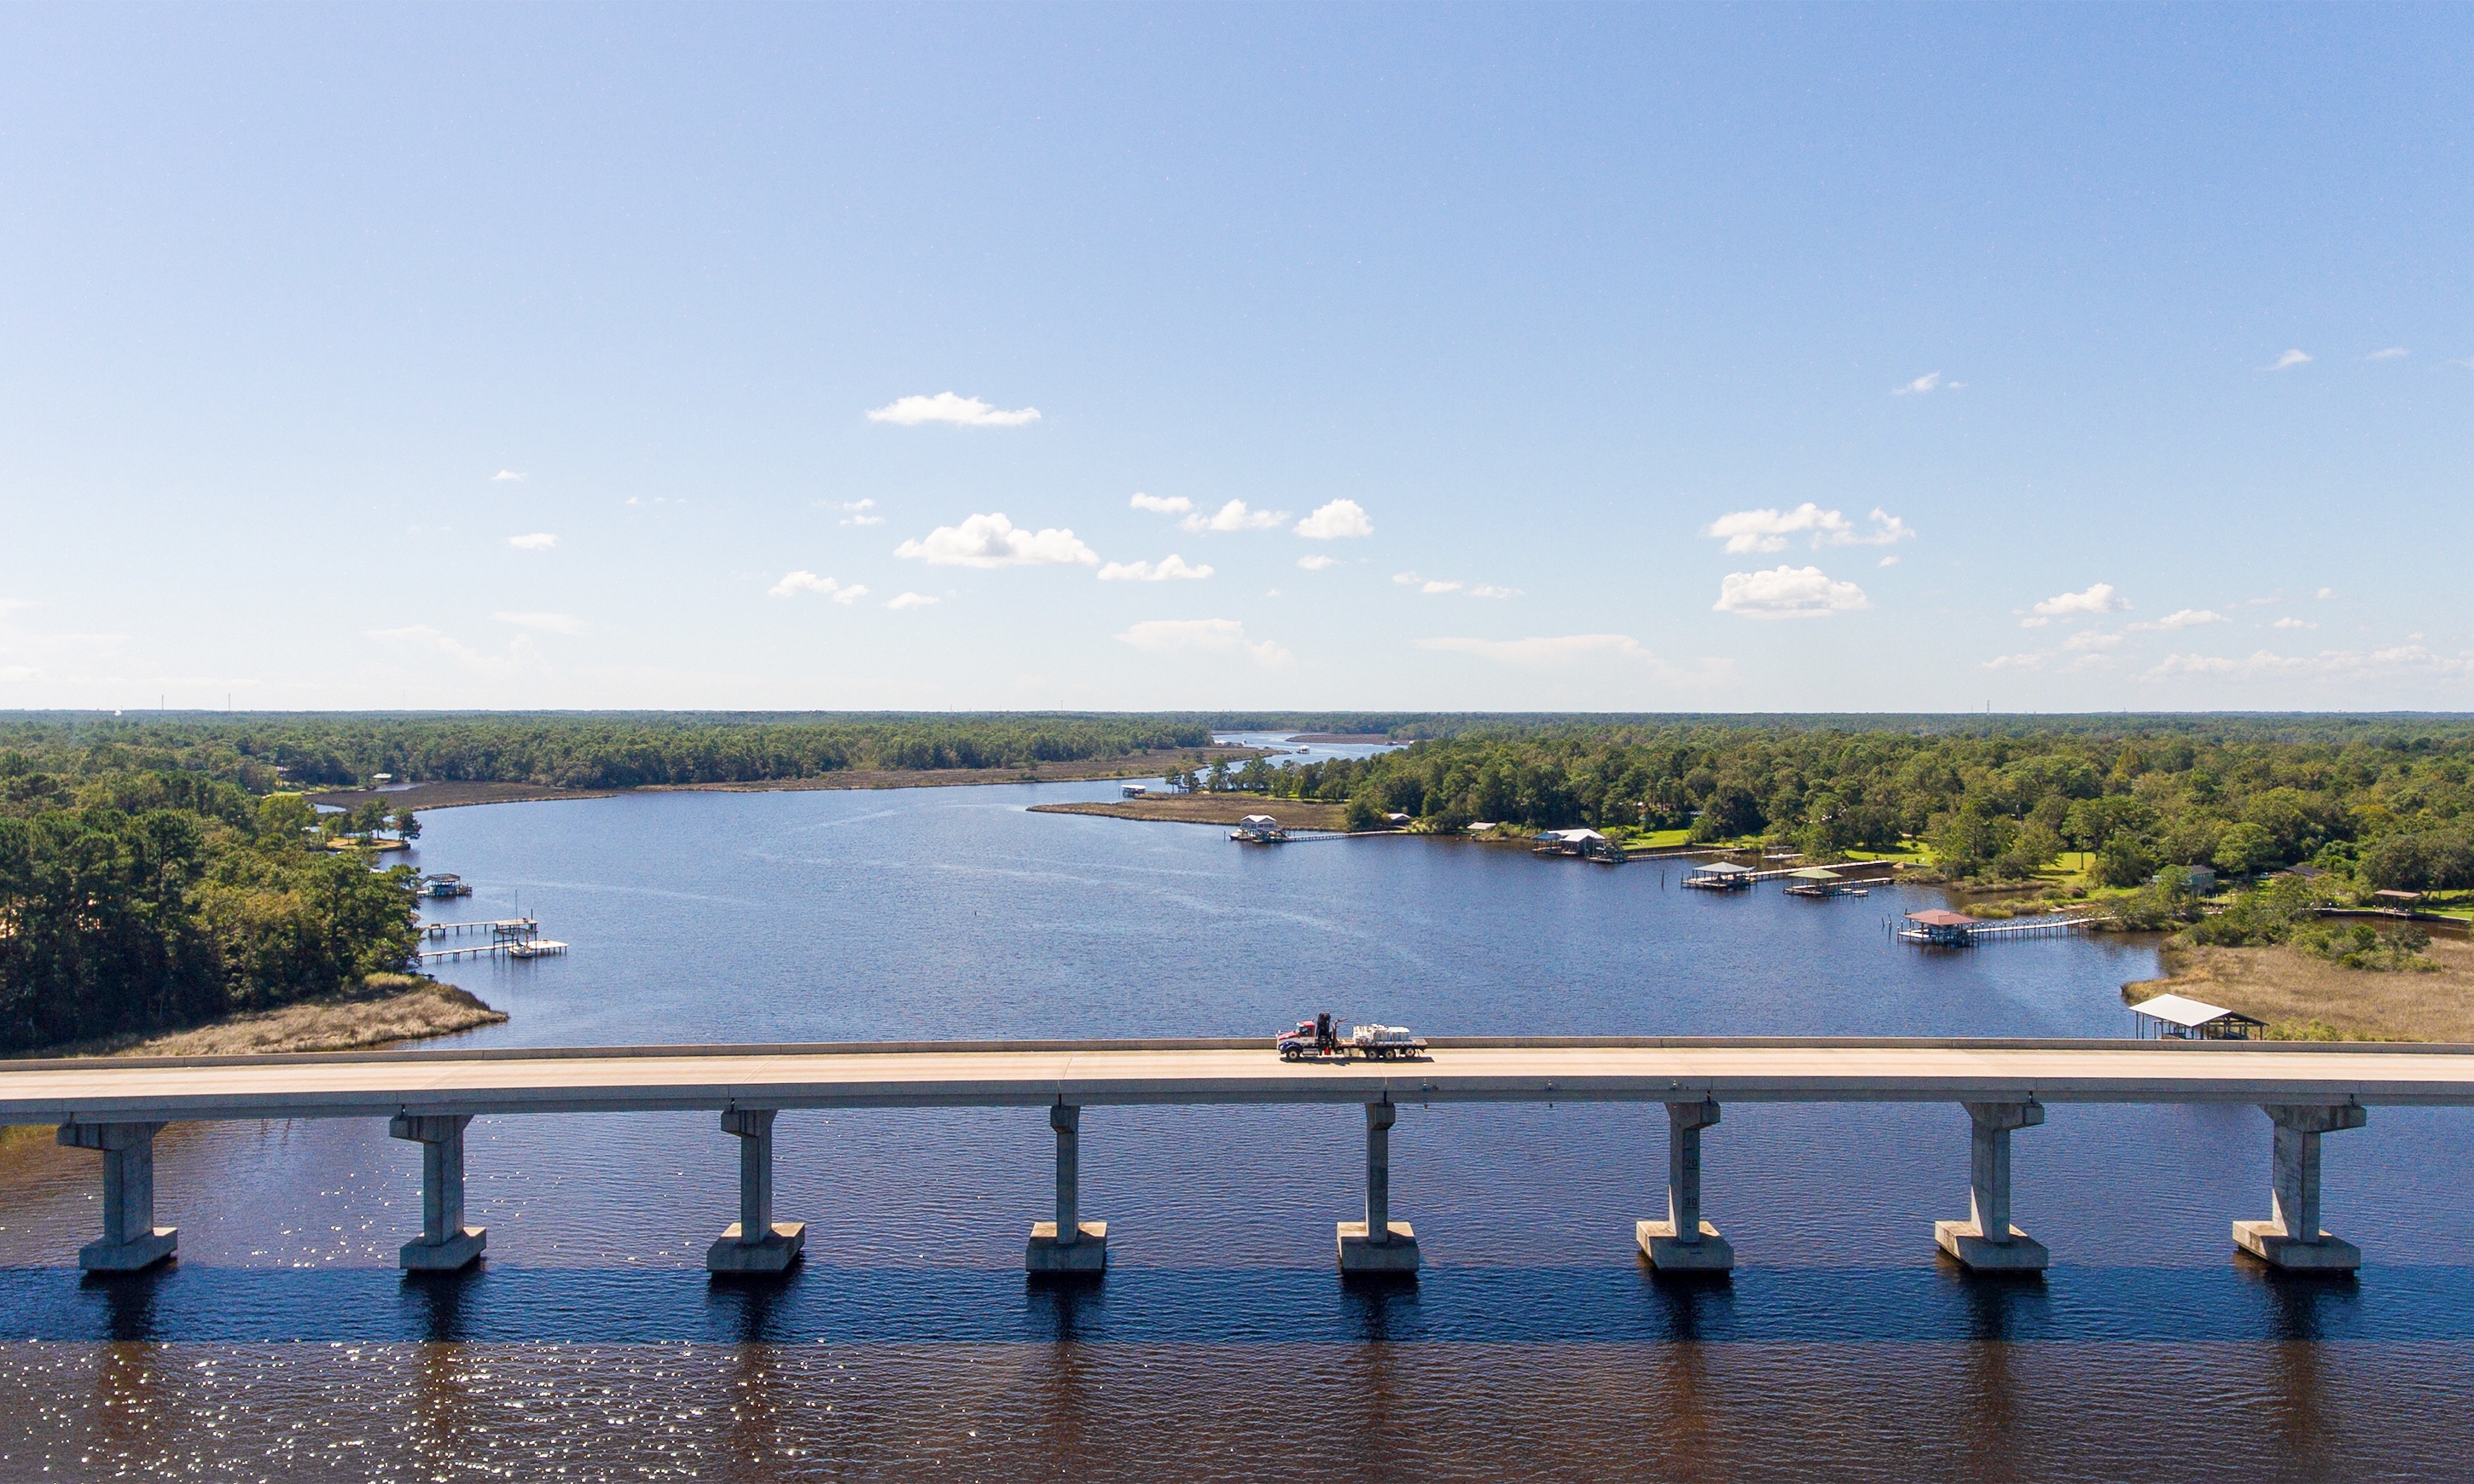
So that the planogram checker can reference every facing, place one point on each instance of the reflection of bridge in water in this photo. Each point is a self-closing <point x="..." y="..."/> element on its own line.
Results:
<point x="116" y="1105"/>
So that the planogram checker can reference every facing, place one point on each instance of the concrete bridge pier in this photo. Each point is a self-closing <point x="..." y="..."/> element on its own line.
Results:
<point x="1683" y="1243"/>
<point x="755" y="1243"/>
<point x="131" y="1239"/>
<point x="2291" y="1238"/>
<point x="1069" y="1244"/>
<point x="445" y="1243"/>
<point x="1986" y="1241"/>
<point x="1379" y="1244"/>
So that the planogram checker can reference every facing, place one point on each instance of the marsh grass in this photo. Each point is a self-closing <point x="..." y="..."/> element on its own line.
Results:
<point x="381" y="1010"/>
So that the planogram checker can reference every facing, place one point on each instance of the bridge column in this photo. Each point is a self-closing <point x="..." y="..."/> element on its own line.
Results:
<point x="1379" y="1244"/>
<point x="755" y="1243"/>
<point x="1069" y="1244"/>
<point x="131" y="1239"/>
<point x="1987" y="1240"/>
<point x="2291" y="1238"/>
<point x="445" y="1243"/>
<point x="1684" y="1242"/>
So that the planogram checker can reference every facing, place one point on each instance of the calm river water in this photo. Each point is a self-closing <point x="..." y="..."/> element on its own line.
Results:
<point x="284" y="1343"/>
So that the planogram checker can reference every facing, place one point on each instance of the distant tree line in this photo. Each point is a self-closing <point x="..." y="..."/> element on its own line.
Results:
<point x="265" y="752"/>
<point x="2391" y="803"/>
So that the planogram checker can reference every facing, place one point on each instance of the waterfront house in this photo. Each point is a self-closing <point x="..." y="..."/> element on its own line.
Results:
<point x="2200" y="880"/>
<point x="1134" y="790"/>
<point x="1259" y="829"/>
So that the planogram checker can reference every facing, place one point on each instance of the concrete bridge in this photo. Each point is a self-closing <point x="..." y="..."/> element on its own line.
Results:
<point x="116" y="1105"/>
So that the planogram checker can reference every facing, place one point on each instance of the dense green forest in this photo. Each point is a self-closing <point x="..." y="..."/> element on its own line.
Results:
<point x="593" y="749"/>
<point x="140" y="900"/>
<point x="2389" y="803"/>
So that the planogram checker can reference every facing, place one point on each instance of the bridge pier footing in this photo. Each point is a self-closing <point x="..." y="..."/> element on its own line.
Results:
<point x="131" y="1239"/>
<point x="1986" y="1241"/>
<point x="2290" y="1238"/>
<point x="1379" y="1244"/>
<point x="755" y="1243"/>
<point x="1069" y="1244"/>
<point x="445" y="1243"/>
<point x="1683" y="1243"/>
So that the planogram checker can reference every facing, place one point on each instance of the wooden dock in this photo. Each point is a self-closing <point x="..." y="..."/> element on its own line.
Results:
<point x="512" y="947"/>
<point x="2014" y="927"/>
<point x="515" y="937"/>
<point x="501" y="928"/>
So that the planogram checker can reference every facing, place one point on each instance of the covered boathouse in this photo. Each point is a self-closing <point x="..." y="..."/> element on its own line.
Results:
<point x="1583" y="844"/>
<point x="2173" y="1017"/>
<point x="1721" y="876"/>
<point x="1815" y="882"/>
<point x="1942" y="926"/>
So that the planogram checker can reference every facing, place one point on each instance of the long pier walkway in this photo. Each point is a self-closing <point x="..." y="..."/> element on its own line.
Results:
<point x="115" y="1105"/>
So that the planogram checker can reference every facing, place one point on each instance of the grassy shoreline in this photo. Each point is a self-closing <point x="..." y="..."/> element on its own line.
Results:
<point x="2303" y="997"/>
<point x="1212" y="809"/>
<point x="384" y="1010"/>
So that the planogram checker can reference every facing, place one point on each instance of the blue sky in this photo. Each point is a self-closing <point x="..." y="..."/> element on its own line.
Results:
<point x="1638" y="358"/>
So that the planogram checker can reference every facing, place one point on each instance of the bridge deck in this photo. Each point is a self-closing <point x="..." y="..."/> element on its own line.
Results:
<point x="621" y="1079"/>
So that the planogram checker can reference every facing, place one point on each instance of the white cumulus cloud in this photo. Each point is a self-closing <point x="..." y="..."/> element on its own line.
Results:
<point x="1577" y="651"/>
<point x="967" y="412"/>
<point x="1335" y="521"/>
<point x="2294" y="623"/>
<point x="992" y="541"/>
<point x="793" y="583"/>
<point x="2185" y="618"/>
<point x="1169" y="567"/>
<point x="1166" y="505"/>
<point x="539" y="541"/>
<point x="2333" y="666"/>
<point x="1435" y="585"/>
<point x="1768" y="530"/>
<point x="1315" y="564"/>
<point x="2291" y="358"/>
<point x="909" y="600"/>
<point x="504" y="474"/>
<point x="1788" y="592"/>
<point x="2099" y="598"/>
<point x="1236" y="516"/>
<point x="1201" y="636"/>
<point x="551" y="623"/>
<point x="1928" y="383"/>
<point x="858" y="513"/>
<point x="2392" y="353"/>
<point x="521" y="659"/>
